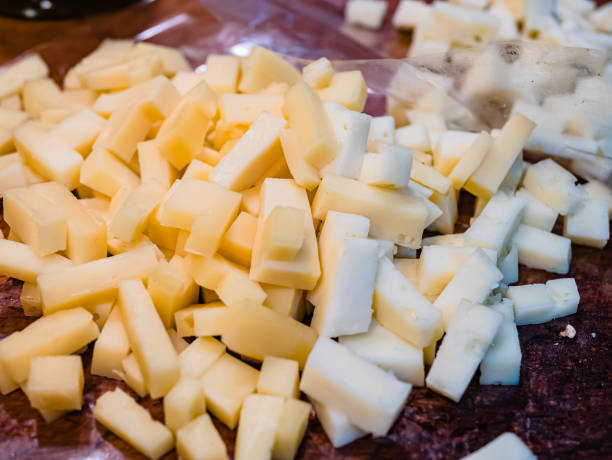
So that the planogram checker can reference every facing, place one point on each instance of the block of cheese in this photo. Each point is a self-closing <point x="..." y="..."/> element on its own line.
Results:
<point x="466" y="342"/>
<point x="308" y="118"/>
<point x="171" y="288"/>
<point x="263" y="67"/>
<point x="393" y="215"/>
<point x="382" y="131"/>
<point x="347" y="89"/>
<point x="389" y="352"/>
<point x="507" y="146"/>
<point x="200" y="440"/>
<point x="132" y="375"/>
<point x="236" y="288"/>
<point x="303" y="271"/>
<point x="183" y="403"/>
<point x="291" y="428"/>
<point x="29" y="68"/>
<point x="303" y="172"/>
<point x="7" y="384"/>
<point x="202" y="353"/>
<point x="388" y="168"/>
<point x="564" y="293"/>
<point x="409" y="268"/>
<point x="148" y="338"/>
<point x="506" y="445"/>
<point x="197" y="169"/>
<point x="365" y="13"/>
<point x="221" y="73"/>
<point x="462" y="26"/>
<point x="553" y="185"/>
<point x="532" y="303"/>
<point x="470" y="160"/>
<point x="18" y="261"/>
<point x="172" y="59"/>
<point x="50" y="156"/>
<point x="319" y="73"/>
<point x="237" y="242"/>
<point x="595" y="190"/>
<point x="473" y="282"/>
<point x="537" y="214"/>
<point x="429" y="177"/>
<point x="496" y="224"/>
<point x="12" y="174"/>
<point x="402" y="309"/>
<point x="12" y="102"/>
<point x="208" y="272"/>
<point x="256" y="151"/>
<point x="185" y="81"/>
<point x="244" y="109"/>
<point x="333" y="375"/>
<point x="42" y="96"/>
<point x="178" y="342"/>
<point x="62" y="333"/>
<point x="111" y="348"/>
<point x="259" y="419"/>
<point x="153" y="166"/>
<point x="129" y="72"/>
<point x="284" y="300"/>
<point x="80" y="130"/>
<point x="283" y="233"/>
<point x="226" y="385"/>
<point x="336" y="425"/>
<point x="256" y="331"/>
<point x="209" y="320"/>
<point x="105" y="173"/>
<point x="508" y="265"/>
<point x="118" y="412"/>
<point x="181" y="135"/>
<point x="280" y="377"/>
<point x="414" y="136"/>
<point x="109" y="52"/>
<point x="36" y="220"/>
<point x="502" y="363"/>
<point x="543" y="250"/>
<point x="587" y="224"/>
<point x="56" y="382"/>
<point x="451" y="148"/>
<point x="442" y="211"/>
<point x="31" y="302"/>
<point x="409" y="14"/>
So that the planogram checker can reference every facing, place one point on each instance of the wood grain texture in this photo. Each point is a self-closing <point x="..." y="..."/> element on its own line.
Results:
<point x="561" y="408"/>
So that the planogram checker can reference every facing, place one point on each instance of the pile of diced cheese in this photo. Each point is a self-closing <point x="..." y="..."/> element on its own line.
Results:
<point x="143" y="188"/>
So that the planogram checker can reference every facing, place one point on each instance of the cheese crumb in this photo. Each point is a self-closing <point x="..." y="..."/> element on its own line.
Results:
<point x="569" y="332"/>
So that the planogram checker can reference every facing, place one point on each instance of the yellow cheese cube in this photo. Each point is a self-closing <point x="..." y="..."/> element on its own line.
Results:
<point x="209" y="320"/>
<point x="429" y="177"/>
<point x="80" y="96"/>
<point x="291" y="428"/>
<point x="283" y="233"/>
<point x="7" y="384"/>
<point x="319" y="73"/>
<point x="225" y="132"/>
<point x="184" y="402"/>
<point x="106" y="174"/>
<point x="237" y="243"/>
<point x="263" y="67"/>
<point x="18" y="261"/>
<point x="256" y="331"/>
<point x="209" y="156"/>
<point x="244" y="109"/>
<point x="163" y="236"/>
<point x="48" y="155"/>
<point x="28" y="68"/>
<point x="11" y="102"/>
<point x="448" y="205"/>
<point x="200" y="440"/>
<point x="6" y="141"/>
<point x="226" y="384"/>
<point x="30" y="299"/>
<point x="181" y="135"/>
<point x="280" y="377"/>
<point x="10" y="119"/>
<point x="132" y="375"/>
<point x="123" y="75"/>
<point x="56" y="382"/>
<point x="62" y="333"/>
<point x="221" y="73"/>
<point x="148" y="338"/>
<point x="308" y="118"/>
<point x="284" y="300"/>
<point x="304" y="270"/>
<point x="202" y="353"/>
<point x="197" y="169"/>
<point x="100" y="312"/>
<point x="110" y="51"/>
<point x="80" y="130"/>
<point x="118" y="412"/>
<point x="393" y="215"/>
<point x="470" y="160"/>
<point x="172" y="60"/>
<point x="178" y="342"/>
<point x="171" y="288"/>
<point x="86" y="235"/>
<point x="507" y="146"/>
<point x="208" y="272"/>
<point x="111" y="348"/>
<point x="183" y="319"/>
<point x="36" y="220"/>
<point x="12" y="174"/>
<point x="250" y="201"/>
<point x="259" y="420"/>
<point x="43" y="94"/>
<point x="153" y="166"/>
<point x="235" y="288"/>
<point x="346" y="88"/>
<point x="48" y="415"/>
<point x="94" y="282"/>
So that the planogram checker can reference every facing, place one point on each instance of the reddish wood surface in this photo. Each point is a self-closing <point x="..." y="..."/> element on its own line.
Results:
<point x="561" y="408"/>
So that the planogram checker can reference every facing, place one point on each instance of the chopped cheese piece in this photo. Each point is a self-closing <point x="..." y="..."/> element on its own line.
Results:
<point x="221" y="73"/>
<point x="470" y="160"/>
<point x="202" y="353"/>
<point x="337" y="425"/>
<point x="11" y="102"/>
<point x="80" y="130"/>
<point x="508" y="265"/>
<point x="118" y="412"/>
<point x="388" y="168"/>
<point x="125" y="74"/>
<point x="56" y="383"/>
<point x="236" y="288"/>
<point x="409" y="268"/>
<point x="18" y="261"/>
<point x="461" y="26"/>
<point x="263" y="67"/>
<point x="259" y="419"/>
<point x="29" y="68"/>
<point x="43" y="96"/>
<point x="587" y="225"/>
<point x="543" y="250"/>
<point x="291" y="428"/>
<point x="469" y="335"/>
<point x="172" y="60"/>
<point x="31" y="303"/>
<point x="283" y="233"/>
<point x="183" y="403"/>
<point x="442" y="208"/>
<point x="382" y="131"/>
<point x="185" y="81"/>
<point x="106" y="174"/>
<point x="450" y="149"/>
<point x="410" y="14"/>
<point x="111" y="348"/>
<point x="506" y="445"/>
<point x="537" y="214"/>
<point x="132" y="375"/>
<point x="564" y="293"/>
<point x="237" y="242"/>
<point x="11" y="119"/>
<point x="414" y="136"/>
<point x="280" y="377"/>
<point x="153" y="166"/>
<point x="532" y="303"/>
<point x="284" y="300"/>
<point x="319" y="73"/>
<point x="365" y="13"/>
<point x="597" y="191"/>
<point x="347" y="89"/>
<point x="303" y="172"/>
<point x="334" y="376"/>
<point x="429" y="177"/>
<point x="220" y="207"/>
<point x="177" y="341"/>
<point x="244" y="109"/>
<point x="226" y="385"/>
<point x="200" y="440"/>
<point x="209" y="320"/>
<point x="553" y="185"/>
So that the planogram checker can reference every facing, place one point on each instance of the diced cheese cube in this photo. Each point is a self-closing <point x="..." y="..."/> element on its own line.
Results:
<point x="280" y="377"/>
<point x="564" y="293"/>
<point x="118" y="412"/>
<point x="508" y="445"/>
<point x="462" y="26"/>
<point x="209" y="320"/>
<point x="470" y="160"/>
<point x="226" y="385"/>
<point x="401" y="309"/>
<point x="263" y="67"/>
<point x="337" y="425"/>
<point x="351" y="129"/>
<point x="200" y="440"/>
<point x="451" y="148"/>
<point x="388" y="168"/>
<point x="80" y="130"/>
<point x="409" y="268"/>
<point x="303" y="172"/>
<point x="111" y="347"/>
<point x="414" y="136"/>
<point x="543" y="250"/>
<point x="319" y="73"/>
<point x="553" y="185"/>
<point x="219" y="209"/>
<point x="259" y="419"/>
<point x="221" y="73"/>
<point x="18" y="261"/>
<point x="12" y="174"/>
<point x="11" y="119"/>
<point x="469" y="335"/>
<point x="284" y="300"/>
<point x="237" y="242"/>
<point x="185" y="81"/>
<point x="382" y="131"/>
<point x="29" y="68"/>
<point x="443" y="210"/>
<point x="177" y="341"/>
<point x="237" y="288"/>
<point x="31" y="303"/>
<point x="334" y="376"/>
<point x="123" y="75"/>
<point x="197" y="358"/>
<point x="132" y="375"/>
<point x="183" y="403"/>
<point x="172" y="59"/>
<point x="429" y="177"/>
<point x="410" y="14"/>
<point x="106" y="174"/>
<point x="347" y="89"/>
<point x="587" y="224"/>
<point x="365" y="13"/>
<point x="532" y="303"/>
<point x="438" y="265"/>
<point x="473" y="282"/>
<point x="537" y="214"/>
<point x="153" y="166"/>
<point x="508" y="265"/>
<point x="11" y="102"/>
<point x="283" y="233"/>
<point x="597" y="191"/>
<point x="56" y="383"/>
<point x="291" y="428"/>
<point x="244" y="109"/>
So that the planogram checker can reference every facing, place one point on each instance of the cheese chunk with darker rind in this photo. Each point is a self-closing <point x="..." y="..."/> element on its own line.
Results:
<point x="263" y="67"/>
<point x="393" y="216"/>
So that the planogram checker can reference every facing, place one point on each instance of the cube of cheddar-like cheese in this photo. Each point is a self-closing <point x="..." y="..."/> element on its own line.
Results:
<point x="303" y="172"/>
<point x="56" y="382"/>
<point x="283" y="233"/>
<point x="347" y="89"/>
<point x="209" y="320"/>
<point x="388" y="168"/>
<point x="284" y="300"/>
<point x="222" y="73"/>
<point x="237" y="242"/>
<point x="172" y="59"/>
<point x="244" y="109"/>
<point x="28" y="68"/>
<point x="202" y="353"/>
<point x="183" y="403"/>
<point x="153" y="166"/>
<point x="588" y="224"/>
<point x="80" y="130"/>
<point x="105" y="173"/>
<point x="111" y="348"/>
<point x="291" y="428"/>
<point x="200" y="440"/>
<point x="263" y="67"/>
<point x="128" y="73"/>
<point x="279" y="376"/>
<point x="319" y="73"/>
<point x="259" y="419"/>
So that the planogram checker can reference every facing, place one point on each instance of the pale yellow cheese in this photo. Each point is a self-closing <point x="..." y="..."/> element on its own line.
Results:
<point x="197" y="169"/>
<point x="221" y="73"/>
<point x="200" y="440"/>
<point x="100" y="311"/>
<point x="172" y="59"/>
<point x="80" y="130"/>
<point x="12" y="102"/>
<point x="10" y="119"/>
<point x="447" y="203"/>
<point x="183" y="403"/>
<point x="208" y="272"/>
<point x="105" y="173"/>
<point x="178" y="342"/>
<point x="12" y="174"/>
<point x="18" y="261"/>
<point x="153" y="166"/>
<point x="346" y="88"/>
<point x="319" y="73"/>
<point x="225" y="132"/>
<point x="148" y="338"/>
<point x="263" y="67"/>
<point x="163" y="236"/>
<point x="284" y="300"/>
<point x="56" y="382"/>
<point x="31" y="303"/>
<point x="118" y="412"/>
<point x="124" y="74"/>
<point x="132" y="375"/>
<point x="48" y="415"/>
<point x="111" y="348"/>
<point x="28" y="68"/>
<point x="250" y="201"/>
<point x="235" y="288"/>
<point x="42" y="95"/>
<point x="62" y="333"/>
<point x="259" y="419"/>
<point x="283" y="233"/>
<point x="244" y="109"/>
<point x="83" y="97"/>
<point x="209" y="156"/>
<point x="291" y="428"/>
<point x="470" y="160"/>
<point x="429" y="177"/>
<point x="237" y="242"/>
<point x="280" y="377"/>
<point x="209" y="320"/>
<point x="200" y="355"/>
<point x="303" y="172"/>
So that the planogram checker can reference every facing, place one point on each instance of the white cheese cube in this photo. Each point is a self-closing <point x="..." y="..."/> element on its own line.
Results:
<point x="382" y="130"/>
<point x="543" y="250"/>
<point x="553" y="185"/>
<point x="409" y="268"/>
<point x="597" y="191"/>
<point x="409" y="14"/>
<point x="537" y="214"/>
<point x="470" y="160"/>
<point x="473" y="282"/>
<point x="452" y="239"/>
<point x="451" y="148"/>
<point x="336" y="425"/>
<point x="351" y="129"/>
<point x="389" y="168"/>
<point x="508" y="265"/>
<point x="414" y="136"/>
<point x="370" y="397"/>
<point x="507" y="445"/>
<point x="433" y="122"/>
<point x="564" y="293"/>
<point x="502" y="363"/>
<point x="366" y="13"/>
<point x="389" y="352"/>
<point x="532" y="303"/>
<point x="588" y="224"/>
<point x="438" y="265"/>
<point x="386" y="249"/>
